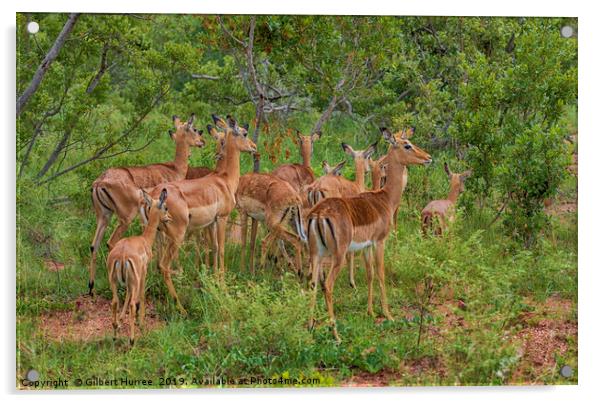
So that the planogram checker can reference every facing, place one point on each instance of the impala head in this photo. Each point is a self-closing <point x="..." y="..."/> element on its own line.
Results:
<point x="335" y="170"/>
<point x="403" y="151"/>
<point x="457" y="179"/>
<point x="220" y="140"/>
<point x="306" y="143"/>
<point x="378" y="164"/>
<point x="154" y="208"/>
<point x="185" y="132"/>
<point x="361" y="157"/>
<point x="238" y="135"/>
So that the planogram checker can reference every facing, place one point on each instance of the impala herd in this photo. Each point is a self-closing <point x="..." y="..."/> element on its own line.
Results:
<point x="327" y="219"/>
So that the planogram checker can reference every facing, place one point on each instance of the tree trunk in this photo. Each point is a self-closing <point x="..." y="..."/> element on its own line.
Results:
<point x="45" y="65"/>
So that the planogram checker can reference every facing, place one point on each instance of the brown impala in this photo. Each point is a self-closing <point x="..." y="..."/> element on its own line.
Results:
<point x="204" y="202"/>
<point x="341" y="224"/>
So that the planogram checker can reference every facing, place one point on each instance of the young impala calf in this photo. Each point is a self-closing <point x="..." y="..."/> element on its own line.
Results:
<point x="204" y="202"/>
<point x="443" y="210"/>
<point x="116" y="191"/>
<point x="128" y="261"/>
<point x="342" y="224"/>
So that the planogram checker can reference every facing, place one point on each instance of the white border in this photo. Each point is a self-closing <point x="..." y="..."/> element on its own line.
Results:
<point x="590" y="24"/>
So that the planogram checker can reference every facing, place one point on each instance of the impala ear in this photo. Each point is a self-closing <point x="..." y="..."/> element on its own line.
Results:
<point x="370" y="150"/>
<point x="348" y="149"/>
<point x="337" y="170"/>
<point x="298" y="133"/>
<point x="465" y="175"/>
<point x="170" y="132"/>
<point x="447" y="171"/>
<point x="162" y="198"/>
<point x="388" y="136"/>
<point x="409" y="132"/>
<point x="147" y="199"/>
<point x="326" y="168"/>
<point x="245" y="126"/>
<point x="176" y="120"/>
<point x="316" y="136"/>
<point x="191" y="120"/>
<point x="219" y="122"/>
<point x="231" y="122"/>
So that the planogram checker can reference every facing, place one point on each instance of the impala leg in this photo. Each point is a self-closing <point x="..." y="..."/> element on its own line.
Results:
<point x="328" y="291"/>
<point x="142" y="302"/>
<point x="252" y="246"/>
<point x="165" y="266"/>
<point x="368" y="261"/>
<point x="351" y="258"/>
<point x="244" y="220"/>
<point x="314" y="268"/>
<point x="283" y="233"/>
<point x="117" y="234"/>
<point x="221" y="244"/>
<point x="132" y="316"/>
<point x="114" y="304"/>
<point x="380" y="272"/>
<point x="126" y="304"/>
<point x="209" y="240"/>
<point x="102" y="221"/>
<point x="266" y="246"/>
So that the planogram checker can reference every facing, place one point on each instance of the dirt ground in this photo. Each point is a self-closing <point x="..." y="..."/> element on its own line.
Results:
<point x="89" y="320"/>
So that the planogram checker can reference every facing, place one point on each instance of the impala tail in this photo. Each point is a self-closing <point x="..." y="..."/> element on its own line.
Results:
<point x="299" y="224"/>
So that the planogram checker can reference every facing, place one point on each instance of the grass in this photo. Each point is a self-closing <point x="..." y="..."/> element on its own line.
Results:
<point x="466" y="295"/>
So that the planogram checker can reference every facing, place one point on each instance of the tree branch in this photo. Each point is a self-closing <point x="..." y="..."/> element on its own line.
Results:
<point x="45" y="65"/>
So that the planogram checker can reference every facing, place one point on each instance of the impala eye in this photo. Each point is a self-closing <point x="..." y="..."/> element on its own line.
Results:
<point x="407" y="146"/>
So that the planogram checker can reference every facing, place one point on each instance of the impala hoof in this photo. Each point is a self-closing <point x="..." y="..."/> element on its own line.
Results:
<point x="91" y="288"/>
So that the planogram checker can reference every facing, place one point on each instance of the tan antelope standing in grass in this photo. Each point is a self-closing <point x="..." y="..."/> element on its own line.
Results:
<point x="338" y="186"/>
<point x="339" y="225"/>
<point x="273" y="201"/>
<point x="117" y="190"/>
<point x="444" y="210"/>
<point x="205" y="202"/>
<point x="128" y="261"/>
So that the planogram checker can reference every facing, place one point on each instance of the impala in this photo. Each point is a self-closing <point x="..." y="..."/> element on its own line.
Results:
<point x="443" y="210"/>
<point x="377" y="172"/>
<point x="128" y="261"/>
<point x="338" y="186"/>
<point x="273" y="201"/>
<point x="204" y="202"/>
<point x="117" y="190"/>
<point x="339" y="225"/>
<point x="300" y="175"/>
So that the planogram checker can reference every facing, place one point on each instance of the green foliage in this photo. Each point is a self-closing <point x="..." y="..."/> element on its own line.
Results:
<point x="496" y="95"/>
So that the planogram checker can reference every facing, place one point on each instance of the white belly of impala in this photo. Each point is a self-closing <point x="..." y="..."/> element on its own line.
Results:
<point x="353" y="246"/>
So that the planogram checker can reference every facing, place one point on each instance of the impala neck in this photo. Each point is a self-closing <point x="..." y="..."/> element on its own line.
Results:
<point x="306" y="156"/>
<point x="230" y="164"/>
<point x="393" y="185"/>
<point x="182" y="155"/>
<point x="150" y="231"/>
<point x="376" y="176"/>
<point x="454" y="192"/>
<point x="360" y="173"/>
